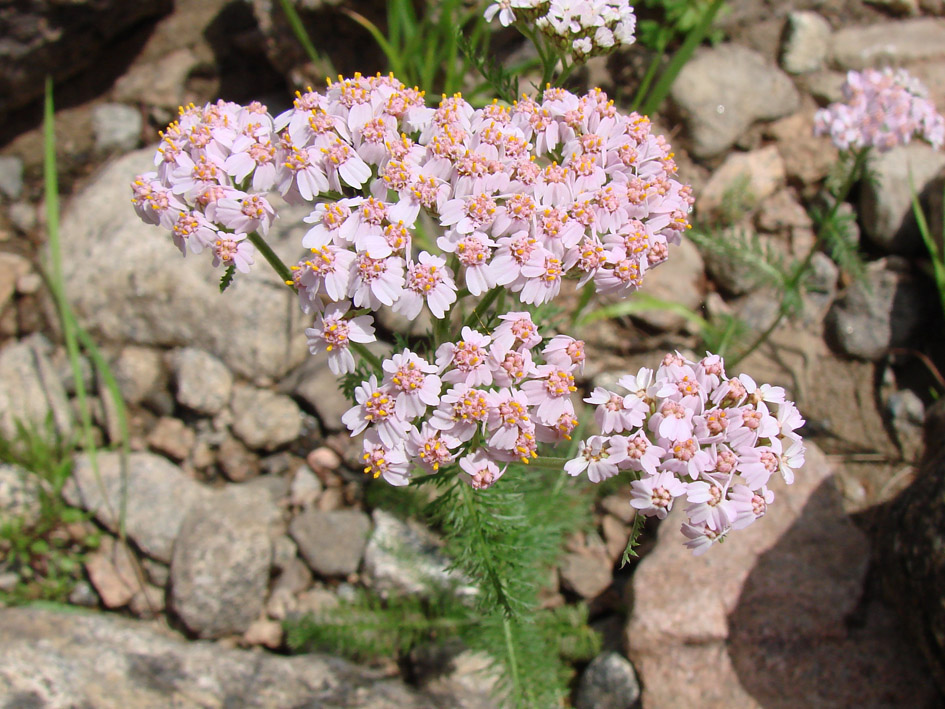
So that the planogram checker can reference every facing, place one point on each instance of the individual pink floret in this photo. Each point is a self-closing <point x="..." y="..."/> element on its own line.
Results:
<point x="334" y="334"/>
<point x="428" y="281"/>
<point x="600" y="456"/>
<point x="415" y="381"/>
<point x="653" y="496"/>
<point x="375" y="408"/>
<point x="233" y="250"/>
<point x="480" y="471"/>
<point x="383" y="461"/>
<point x="466" y="361"/>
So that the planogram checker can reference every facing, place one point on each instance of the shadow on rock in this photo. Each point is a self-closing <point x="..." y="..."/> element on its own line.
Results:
<point x="808" y="620"/>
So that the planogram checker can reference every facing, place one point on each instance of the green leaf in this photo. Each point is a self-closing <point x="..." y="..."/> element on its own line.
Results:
<point x="227" y="278"/>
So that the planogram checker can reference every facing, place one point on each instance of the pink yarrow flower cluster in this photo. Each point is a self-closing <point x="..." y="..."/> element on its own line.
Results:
<point x="691" y="435"/>
<point x="486" y="401"/>
<point x="881" y="109"/>
<point x="582" y="28"/>
<point x="524" y="196"/>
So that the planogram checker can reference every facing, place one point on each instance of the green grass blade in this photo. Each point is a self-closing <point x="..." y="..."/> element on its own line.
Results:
<point x="938" y="263"/>
<point x="393" y="56"/>
<point x="298" y="29"/>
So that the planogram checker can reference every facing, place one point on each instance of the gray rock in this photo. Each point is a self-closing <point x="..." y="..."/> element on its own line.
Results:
<point x="263" y="419"/>
<point x="117" y="127"/>
<point x="741" y="183"/>
<point x="20" y="493"/>
<point x="886" y="201"/>
<point x="805" y="44"/>
<point x="12" y="268"/>
<point x="888" y="43"/>
<point x="146" y="294"/>
<point x="609" y="682"/>
<point x="111" y="569"/>
<point x="154" y="494"/>
<point x="471" y="680"/>
<point x="173" y="438"/>
<point x="203" y="382"/>
<point x="332" y="543"/>
<point x="306" y="487"/>
<point x="220" y="567"/>
<point x="762" y="620"/>
<point x="30" y="390"/>
<point x="237" y="462"/>
<point x="678" y="280"/>
<point x="586" y="574"/>
<point x="720" y="92"/>
<point x="160" y="83"/>
<point x="50" y="659"/>
<point x="11" y="176"/>
<point x="315" y="384"/>
<point x="23" y="216"/>
<point x="140" y="373"/>
<point x="821" y="288"/>
<point x="407" y="558"/>
<point x="882" y="311"/>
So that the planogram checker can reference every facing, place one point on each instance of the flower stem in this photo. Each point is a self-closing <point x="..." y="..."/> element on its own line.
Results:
<point x="800" y="271"/>
<point x="280" y="268"/>
<point x="368" y="356"/>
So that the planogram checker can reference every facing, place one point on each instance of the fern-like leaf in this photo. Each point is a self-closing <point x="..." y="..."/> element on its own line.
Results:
<point x="227" y="278"/>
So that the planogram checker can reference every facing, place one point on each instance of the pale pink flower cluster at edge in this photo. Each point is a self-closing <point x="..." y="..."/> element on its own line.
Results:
<point x="689" y="433"/>
<point x="881" y="109"/>
<point x="487" y="400"/>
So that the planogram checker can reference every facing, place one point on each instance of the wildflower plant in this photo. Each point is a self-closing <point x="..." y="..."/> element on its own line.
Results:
<point x="477" y="216"/>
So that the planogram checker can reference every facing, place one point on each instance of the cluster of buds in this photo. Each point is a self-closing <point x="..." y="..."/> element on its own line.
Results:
<point x="485" y="401"/>
<point x="690" y="432"/>
<point x="582" y="28"/>
<point x="881" y="109"/>
<point x="521" y="196"/>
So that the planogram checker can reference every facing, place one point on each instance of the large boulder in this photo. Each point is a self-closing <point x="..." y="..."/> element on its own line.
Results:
<point x="721" y="91"/>
<point x="762" y="620"/>
<point x="913" y="538"/>
<point x="128" y="283"/>
<point x="56" y="659"/>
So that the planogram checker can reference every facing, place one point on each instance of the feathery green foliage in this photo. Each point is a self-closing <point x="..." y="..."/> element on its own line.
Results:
<point x="369" y="627"/>
<point x="506" y="540"/>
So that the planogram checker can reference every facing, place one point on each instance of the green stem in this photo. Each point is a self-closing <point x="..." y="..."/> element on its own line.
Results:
<point x="298" y="29"/>
<point x="280" y="268"/>
<point x="475" y="317"/>
<point x="510" y="651"/>
<point x="368" y="356"/>
<point x="651" y="71"/>
<point x="797" y="276"/>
